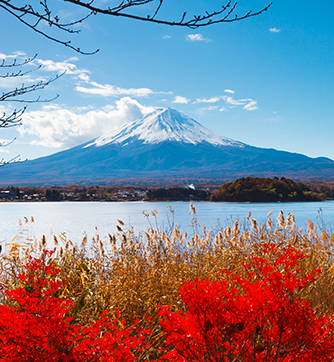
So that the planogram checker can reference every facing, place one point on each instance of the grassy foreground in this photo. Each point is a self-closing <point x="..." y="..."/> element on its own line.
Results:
<point x="134" y="274"/>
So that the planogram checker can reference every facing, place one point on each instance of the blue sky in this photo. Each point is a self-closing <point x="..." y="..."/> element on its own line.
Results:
<point x="266" y="81"/>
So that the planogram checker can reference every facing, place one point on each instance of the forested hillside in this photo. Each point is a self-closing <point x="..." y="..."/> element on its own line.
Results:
<point x="258" y="189"/>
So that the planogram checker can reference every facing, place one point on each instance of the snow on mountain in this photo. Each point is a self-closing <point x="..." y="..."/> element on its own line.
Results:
<point x="164" y="124"/>
<point x="160" y="147"/>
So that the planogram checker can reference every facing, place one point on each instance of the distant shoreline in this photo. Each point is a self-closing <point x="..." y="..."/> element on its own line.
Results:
<point x="164" y="201"/>
<point x="245" y="190"/>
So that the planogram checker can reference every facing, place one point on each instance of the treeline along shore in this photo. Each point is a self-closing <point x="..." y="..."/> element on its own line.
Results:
<point x="246" y="189"/>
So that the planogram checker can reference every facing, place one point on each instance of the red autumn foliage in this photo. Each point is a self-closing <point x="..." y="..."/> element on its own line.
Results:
<point x="38" y="327"/>
<point x="259" y="318"/>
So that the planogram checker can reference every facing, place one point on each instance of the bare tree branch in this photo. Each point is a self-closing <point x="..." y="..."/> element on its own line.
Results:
<point x="32" y="18"/>
<point x="20" y="12"/>
<point x="12" y="95"/>
<point x="15" y="159"/>
<point x="15" y="64"/>
<point x="14" y="118"/>
<point x="18" y="73"/>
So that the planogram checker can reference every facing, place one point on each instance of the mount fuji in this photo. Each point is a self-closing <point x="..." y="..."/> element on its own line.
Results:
<point x="163" y="145"/>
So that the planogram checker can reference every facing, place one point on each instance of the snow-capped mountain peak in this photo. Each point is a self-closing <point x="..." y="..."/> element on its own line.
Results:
<point x="164" y="124"/>
<point x="141" y="153"/>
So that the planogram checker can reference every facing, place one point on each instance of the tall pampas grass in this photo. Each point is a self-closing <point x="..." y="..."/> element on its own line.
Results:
<point x="134" y="274"/>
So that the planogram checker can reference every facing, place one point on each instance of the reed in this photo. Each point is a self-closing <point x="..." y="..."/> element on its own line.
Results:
<point x="134" y="274"/>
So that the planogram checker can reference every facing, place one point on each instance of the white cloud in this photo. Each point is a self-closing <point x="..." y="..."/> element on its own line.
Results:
<point x="222" y="109"/>
<point x="197" y="37"/>
<point x="274" y="30"/>
<point x="13" y="56"/>
<point x="108" y="108"/>
<point x="58" y="127"/>
<point x="166" y="37"/>
<point x="84" y="77"/>
<point x="5" y="108"/>
<point x="210" y="108"/>
<point x="65" y="66"/>
<point x="48" y="65"/>
<point x="234" y="102"/>
<point x="181" y="100"/>
<point x="251" y="106"/>
<point x="248" y="103"/>
<point x="16" y="82"/>
<point x="229" y="91"/>
<point x="86" y="85"/>
<point x="83" y="82"/>
<point x="5" y="145"/>
<point x="108" y="90"/>
<point x="51" y="66"/>
<point x="208" y="100"/>
<point x="24" y="77"/>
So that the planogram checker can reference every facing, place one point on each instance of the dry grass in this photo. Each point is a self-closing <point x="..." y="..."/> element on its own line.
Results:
<point x="136" y="274"/>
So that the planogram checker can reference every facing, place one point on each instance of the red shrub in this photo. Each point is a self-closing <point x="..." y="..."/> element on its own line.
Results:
<point x="37" y="328"/>
<point x="261" y="318"/>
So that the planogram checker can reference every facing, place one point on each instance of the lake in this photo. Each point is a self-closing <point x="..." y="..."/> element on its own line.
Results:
<point x="74" y="219"/>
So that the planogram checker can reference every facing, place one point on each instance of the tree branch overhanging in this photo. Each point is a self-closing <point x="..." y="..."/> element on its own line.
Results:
<point x="14" y="118"/>
<point x="14" y="63"/>
<point x="12" y="95"/>
<point x="34" y="16"/>
<point x="15" y="159"/>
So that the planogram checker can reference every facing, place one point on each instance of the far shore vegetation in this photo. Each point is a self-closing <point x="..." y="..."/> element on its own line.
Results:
<point x="246" y="189"/>
<point x="256" y="189"/>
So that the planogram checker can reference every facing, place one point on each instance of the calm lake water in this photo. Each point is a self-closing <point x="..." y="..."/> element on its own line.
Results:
<point x="76" y="218"/>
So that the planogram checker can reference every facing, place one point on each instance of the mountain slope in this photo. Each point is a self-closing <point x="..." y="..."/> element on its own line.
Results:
<point x="164" y="144"/>
<point x="164" y="124"/>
